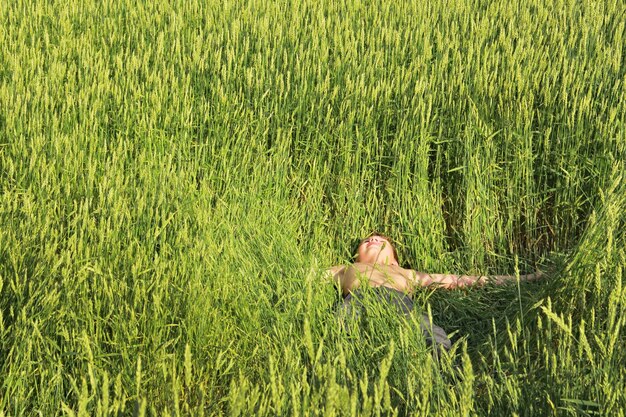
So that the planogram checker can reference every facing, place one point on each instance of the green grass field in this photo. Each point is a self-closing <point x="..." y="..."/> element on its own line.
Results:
<point x="174" y="176"/>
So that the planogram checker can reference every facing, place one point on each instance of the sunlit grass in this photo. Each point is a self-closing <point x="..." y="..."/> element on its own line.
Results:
<point x="175" y="176"/>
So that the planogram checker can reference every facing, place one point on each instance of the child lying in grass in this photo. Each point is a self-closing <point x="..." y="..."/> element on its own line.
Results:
<point x="377" y="267"/>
